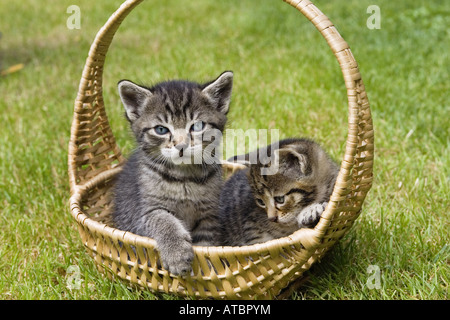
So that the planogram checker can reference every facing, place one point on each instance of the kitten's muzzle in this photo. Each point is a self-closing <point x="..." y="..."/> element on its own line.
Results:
<point x="181" y="147"/>
<point x="180" y="142"/>
<point x="272" y="213"/>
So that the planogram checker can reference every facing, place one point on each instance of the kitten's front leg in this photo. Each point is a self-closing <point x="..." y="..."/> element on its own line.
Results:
<point x="173" y="241"/>
<point x="310" y="215"/>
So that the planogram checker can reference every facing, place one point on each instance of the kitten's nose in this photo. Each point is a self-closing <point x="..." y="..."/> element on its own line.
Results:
<point x="180" y="142"/>
<point x="272" y="213"/>
<point x="178" y="139"/>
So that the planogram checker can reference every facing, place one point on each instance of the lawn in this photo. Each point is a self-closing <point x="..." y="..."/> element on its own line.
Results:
<point x="286" y="78"/>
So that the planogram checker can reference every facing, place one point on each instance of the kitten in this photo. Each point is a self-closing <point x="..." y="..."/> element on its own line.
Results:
<point x="169" y="188"/>
<point x="256" y="207"/>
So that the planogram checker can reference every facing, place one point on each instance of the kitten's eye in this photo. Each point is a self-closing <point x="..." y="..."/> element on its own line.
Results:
<point x="198" y="126"/>
<point x="279" y="200"/>
<point x="161" y="130"/>
<point x="260" y="202"/>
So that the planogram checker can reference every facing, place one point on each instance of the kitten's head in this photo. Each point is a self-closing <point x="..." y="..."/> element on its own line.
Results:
<point x="286" y="193"/>
<point x="175" y="121"/>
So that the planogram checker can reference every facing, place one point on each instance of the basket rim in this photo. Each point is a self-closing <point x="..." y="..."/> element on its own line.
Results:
<point x="307" y="237"/>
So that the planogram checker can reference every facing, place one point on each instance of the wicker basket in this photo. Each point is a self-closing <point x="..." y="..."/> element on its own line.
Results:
<point x="259" y="271"/>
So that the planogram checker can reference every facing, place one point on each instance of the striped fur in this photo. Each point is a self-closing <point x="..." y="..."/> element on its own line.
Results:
<point x="174" y="203"/>
<point x="255" y="208"/>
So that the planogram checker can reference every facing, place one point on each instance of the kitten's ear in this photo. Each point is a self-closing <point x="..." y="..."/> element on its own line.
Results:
<point x="292" y="163"/>
<point x="133" y="98"/>
<point x="220" y="91"/>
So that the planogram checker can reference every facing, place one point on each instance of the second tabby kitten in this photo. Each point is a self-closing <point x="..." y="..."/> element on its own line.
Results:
<point x="255" y="207"/>
<point x="169" y="188"/>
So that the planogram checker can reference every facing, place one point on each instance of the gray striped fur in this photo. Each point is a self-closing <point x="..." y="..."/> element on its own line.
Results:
<point x="305" y="177"/>
<point x="175" y="204"/>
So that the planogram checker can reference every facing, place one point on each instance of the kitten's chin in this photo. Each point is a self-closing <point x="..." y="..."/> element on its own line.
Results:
<point x="287" y="219"/>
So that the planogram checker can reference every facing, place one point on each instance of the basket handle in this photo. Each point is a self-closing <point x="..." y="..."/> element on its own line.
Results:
<point x="92" y="147"/>
<point x="355" y="175"/>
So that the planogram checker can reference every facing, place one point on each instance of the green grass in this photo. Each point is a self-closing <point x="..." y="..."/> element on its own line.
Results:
<point x="285" y="77"/>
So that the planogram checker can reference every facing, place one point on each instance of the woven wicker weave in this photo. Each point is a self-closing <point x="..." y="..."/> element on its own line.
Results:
<point x="248" y="272"/>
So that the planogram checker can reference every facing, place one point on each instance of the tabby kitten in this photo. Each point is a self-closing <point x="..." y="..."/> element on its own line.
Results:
<point x="256" y="207"/>
<point x="164" y="191"/>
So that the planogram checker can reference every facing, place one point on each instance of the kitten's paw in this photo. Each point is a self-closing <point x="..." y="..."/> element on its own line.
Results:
<point x="177" y="259"/>
<point x="311" y="215"/>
